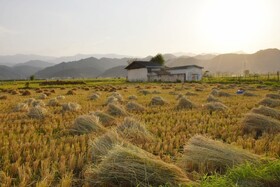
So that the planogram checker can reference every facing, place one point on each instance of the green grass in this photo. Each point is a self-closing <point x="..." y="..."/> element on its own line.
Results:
<point x="267" y="174"/>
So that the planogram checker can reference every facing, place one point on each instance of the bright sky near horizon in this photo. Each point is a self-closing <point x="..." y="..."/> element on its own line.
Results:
<point x="137" y="27"/>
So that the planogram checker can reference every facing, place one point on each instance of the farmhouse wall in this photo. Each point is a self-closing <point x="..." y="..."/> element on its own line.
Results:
<point x="137" y="75"/>
<point x="167" y="78"/>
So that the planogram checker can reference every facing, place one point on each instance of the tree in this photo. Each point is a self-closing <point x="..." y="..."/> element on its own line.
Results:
<point x="158" y="59"/>
<point x="32" y="77"/>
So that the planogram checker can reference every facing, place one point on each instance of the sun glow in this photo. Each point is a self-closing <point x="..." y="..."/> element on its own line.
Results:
<point x="233" y="24"/>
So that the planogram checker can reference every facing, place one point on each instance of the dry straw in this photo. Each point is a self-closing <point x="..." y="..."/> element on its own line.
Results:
<point x="42" y="96"/>
<point x="132" y="97"/>
<point x="134" y="131"/>
<point x="208" y="156"/>
<point x="94" y="97"/>
<point x="105" y="119"/>
<point x="184" y="103"/>
<point x="215" y="106"/>
<point x="37" y="112"/>
<point x="258" y="124"/>
<point x="53" y="102"/>
<point x="125" y="166"/>
<point x="116" y="110"/>
<point x="86" y="124"/>
<point x="212" y="98"/>
<point x="267" y="112"/>
<point x="270" y="102"/>
<point x="134" y="107"/>
<point x="249" y="94"/>
<point x="70" y="107"/>
<point x="273" y="96"/>
<point x="157" y="101"/>
<point x="21" y="107"/>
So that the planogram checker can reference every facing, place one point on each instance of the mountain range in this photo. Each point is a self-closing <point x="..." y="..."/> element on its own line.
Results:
<point x="113" y="66"/>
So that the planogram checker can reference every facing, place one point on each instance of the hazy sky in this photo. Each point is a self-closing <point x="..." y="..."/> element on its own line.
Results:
<point x="137" y="27"/>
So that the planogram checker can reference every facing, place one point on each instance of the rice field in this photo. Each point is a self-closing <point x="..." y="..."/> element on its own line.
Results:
<point x="51" y="136"/>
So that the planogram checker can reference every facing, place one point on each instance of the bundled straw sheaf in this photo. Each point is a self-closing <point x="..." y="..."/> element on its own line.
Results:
<point x="215" y="106"/>
<point x="37" y="112"/>
<point x="266" y="111"/>
<point x="258" y="124"/>
<point x="86" y="124"/>
<point x="185" y="103"/>
<point x="53" y="102"/>
<point x="125" y="166"/>
<point x="71" y="107"/>
<point x="134" y="107"/>
<point x="105" y="119"/>
<point x="270" y="102"/>
<point x="208" y="156"/>
<point x="21" y="107"/>
<point x="273" y="96"/>
<point x="212" y="98"/>
<point x="157" y="101"/>
<point x="133" y="131"/>
<point x="116" y="110"/>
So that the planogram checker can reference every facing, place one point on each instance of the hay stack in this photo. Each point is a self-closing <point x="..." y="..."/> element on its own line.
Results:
<point x="116" y="110"/>
<point x="223" y="94"/>
<point x="266" y="111"/>
<point x="118" y="96"/>
<point x="14" y="92"/>
<point x="190" y="94"/>
<point x="134" y="107"/>
<point x="26" y="92"/>
<point x="132" y="97"/>
<point x="53" y="102"/>
<point x="273" y="96"/>
<point x="212" y="98"/>
<point x="249" y="94"/>
<point x="205" y="155"/>
<point x="105" y="119"/>
<point x="86" y="124"/>
<point x="21" y="107"/>
<point x="38" y="103"/>
<point x="71" y="107"/>
<point x="144" y="92"/>
<point x="111" y="100"/>
<point x="215" y="106"/>
<point x="184" y="103"/>
<point x="134" y="167"/>
<point x="179" y="96"/>
<point x="134" y="131"/>
<point x="270" y="102"/>
<point x="37" y="112"/>
<point x="157" y="101"/>
<point x="71" y="92"/>
<point x="103" y="144"/>
<point x="42" y="96"/>
<point x="29" y="101"/>
<point x="60" y="97"/>
<point x="214" y="92"/>
<point x="94" y="97"/>
<point x="3" y="97"/>
<point x="258" y="124"/>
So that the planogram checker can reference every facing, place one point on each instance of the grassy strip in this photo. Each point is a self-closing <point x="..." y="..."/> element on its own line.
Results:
<point x="267" y="174"/>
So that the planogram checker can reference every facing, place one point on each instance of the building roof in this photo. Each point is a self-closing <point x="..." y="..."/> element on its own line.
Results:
<point x="142" y="64"/>
<point x="184" y="67"/>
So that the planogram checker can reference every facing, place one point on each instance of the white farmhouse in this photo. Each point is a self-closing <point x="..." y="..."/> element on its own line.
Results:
<point x="192" y="72"/>
<point x="143" y="71"/>
<point x="138" y="71"/>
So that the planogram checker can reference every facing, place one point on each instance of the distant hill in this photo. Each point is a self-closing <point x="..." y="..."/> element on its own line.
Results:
<point x="35" y="63"/>
<point x="88" y="68"/>
<point x="260" y="62"/>
<point x="11" y="60"/>
<point x="118" y="71"/>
